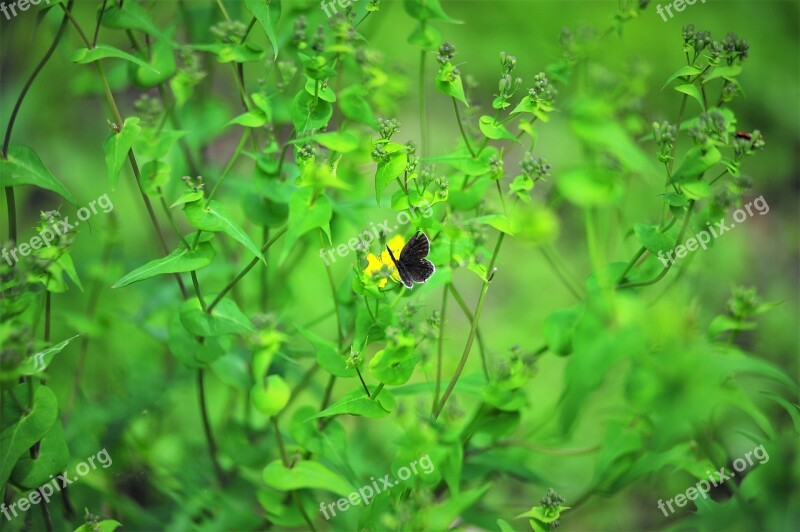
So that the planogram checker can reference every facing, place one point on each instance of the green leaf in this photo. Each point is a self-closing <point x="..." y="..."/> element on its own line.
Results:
<point x="587" y="186"/>
<point x="425" y="36"/>
<point x="692" y="91"/>
<point x="356" y="403"/>
<point x="696" y="189"/>
<point x="271" y="396"/>
<point x="17" y="438"/>
<point x="162" y="63"/>
<point x="427" y="10"/>
<point x="388" y="171"/>
<point x="308" y="114"/>
<point x="342" y="142"/>
<point x="559" y="328"/>
<point x="395" y="364"/>
<point x="500" y="222"/>
<point x="117" y="146"/>
<point x="323" y="93"/>
<point x="328" y="357"/>
<point x="249" y="119"/>
<point x="697" y="161"/>
<point x="684" y="71"/>
<point x="215" y="217"/>
<point x="652" y="239"/>
<point x="229" y="53"/>
<point x="494" y="130"/>
<point x="267" y="13"/>
<point x="354" y="106"/>
<point x="131" y="17"/>
<point x="155" y="174"/>
<point x="38" y="362"/>
<point x="305" y="474"/>
<point x="441" y="516"/>
<point x="103" y="51"/>
<point x="728" y="72"/>
<point x="449" y="83"/>
<point x="305" y="216"/>
<point x="24" y="167"/>
<point x="52" y="459"/>
<point x="106" y="525"/>
<point x="180" y="260"/>
<point x="225" y="318"/>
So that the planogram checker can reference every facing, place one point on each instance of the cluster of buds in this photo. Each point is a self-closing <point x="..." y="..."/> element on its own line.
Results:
<point x="729" y="91"/>
<point x="196" y="184"/>
<point x="299" y="33"/>
<point x="534" y="167"/>
<point x="387" y="128"/>
<point x="384" y="272"/>
<point x="379" y="154"/>
<point x="711" y="125"/>
<point x="664" y="135"/>
<point x="543" y="90"/>
<point x="354" y="360"/>
<point x="735" y="47"/>
<point x="427" y="175"/>
<point x="443" y="185"/>
<point x="148" y="108"/>
<point x="191" y="66"/>
<point x="748" y="143"/>
<point x="744" y="302"/>
<point x="447" y="51"/>
<point x="229" y="31"/>
<point x="406" y="318"/>
<point x="496" y="167"/>
<point x="552" y="499"/>
<point x="287" y="70"/>
<point x="307" y="151"/>
<point x="318" y="44"/>
<point x="412" y="159"/>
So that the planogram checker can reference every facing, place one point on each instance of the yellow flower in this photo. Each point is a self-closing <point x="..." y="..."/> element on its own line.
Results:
<point x="383" y="266"/>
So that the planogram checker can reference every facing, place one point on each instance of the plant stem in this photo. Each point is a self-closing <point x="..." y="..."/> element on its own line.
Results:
<point x="245" y="271"/>
<point x="440" y="347"/>
<point x="559" y="266"/>
<point x="332" y="282"/>
<point x="666" y="269"/>
<point x="377" y="391"/>
<point x="461" y="128"/>
<point x="212" y="445"/>
<point x="473" y="329"/>
<point x="10" y="198"/>
<point x="468" y="313"/>
<point x="364" y="384"/>
<point x="423" y="122"/>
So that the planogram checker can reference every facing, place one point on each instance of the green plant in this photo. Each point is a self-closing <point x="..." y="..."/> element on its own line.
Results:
<point x="304" y="374"/>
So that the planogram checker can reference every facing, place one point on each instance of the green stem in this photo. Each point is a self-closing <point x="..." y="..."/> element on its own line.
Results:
<point x="440" y="348"/>
<point x="562" y="275"/>
<point x="377" y="391"/>
<point x="481" y="345"/>
<point x="332" y="282"/>
<point x="423" y="121"/>
<point x="212" y="445"/>
<point x="666" y="269"/>
<point x="461" y="128"/>
<point x="472" y="331"/>
<point x="363" y="384"/>
<point x="245" y="271"/>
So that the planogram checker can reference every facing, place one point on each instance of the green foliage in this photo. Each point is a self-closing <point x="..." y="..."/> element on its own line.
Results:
<point x="251" y="380"/>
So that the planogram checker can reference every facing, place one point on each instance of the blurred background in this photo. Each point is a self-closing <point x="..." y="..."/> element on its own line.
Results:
<point x="140" y="403"/>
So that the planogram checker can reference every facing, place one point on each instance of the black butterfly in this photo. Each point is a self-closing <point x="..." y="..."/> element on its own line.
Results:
<point x="412" y="265"/>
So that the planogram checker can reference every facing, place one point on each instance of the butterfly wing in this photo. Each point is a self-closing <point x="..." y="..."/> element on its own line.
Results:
<point x="421" y="271"/>
<point x="402" y="269"/>
<point x="416" y="248"/>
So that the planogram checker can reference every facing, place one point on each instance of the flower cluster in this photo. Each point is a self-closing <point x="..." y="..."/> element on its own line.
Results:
<point x="543" y="90"/>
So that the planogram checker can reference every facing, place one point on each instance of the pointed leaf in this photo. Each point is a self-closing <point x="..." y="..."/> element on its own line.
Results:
<point x="215" y="218"/>
<point x="180" y="260"/>
<point x="103" y="51"/>
<point x="24" y="167"/>
<point x="117" y="146"/>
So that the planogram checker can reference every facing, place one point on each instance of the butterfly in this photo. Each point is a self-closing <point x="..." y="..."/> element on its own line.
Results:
<point x="412" y="266"/>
